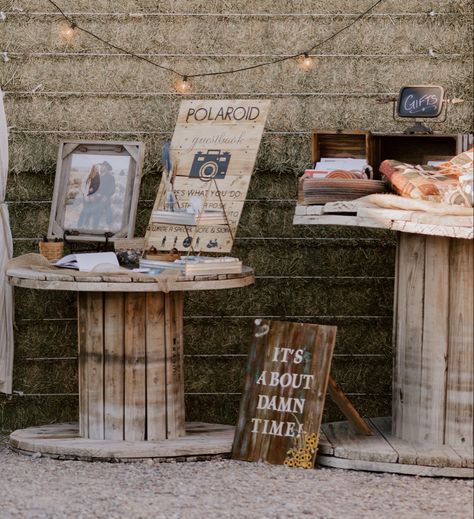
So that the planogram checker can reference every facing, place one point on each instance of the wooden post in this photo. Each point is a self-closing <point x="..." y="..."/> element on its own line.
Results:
<point x="131" y="365"/>
<point x="434" y="368"/>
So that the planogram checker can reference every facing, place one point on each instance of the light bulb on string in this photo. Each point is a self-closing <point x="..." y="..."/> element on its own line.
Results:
<point x="182" y="84"/>
<point x="305" y="61"/>
<point x="67" y="30"/>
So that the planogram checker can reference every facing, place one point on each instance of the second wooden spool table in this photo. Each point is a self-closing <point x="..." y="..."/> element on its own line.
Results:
<point x="131" y="382"/>
<point x="430" y="431"/>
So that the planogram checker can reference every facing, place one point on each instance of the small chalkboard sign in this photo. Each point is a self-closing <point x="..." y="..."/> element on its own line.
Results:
<point x="420" y="101"/>
<point x="283" y="400"/>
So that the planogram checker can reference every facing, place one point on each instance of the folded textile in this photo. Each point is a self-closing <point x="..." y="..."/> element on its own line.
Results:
<point x="450" y="182"/>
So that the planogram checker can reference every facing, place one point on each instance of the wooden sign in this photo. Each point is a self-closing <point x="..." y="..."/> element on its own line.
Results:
<point x="214" y="148"/>
<point x="285" y="388"/>
<point x="420" y="101"/>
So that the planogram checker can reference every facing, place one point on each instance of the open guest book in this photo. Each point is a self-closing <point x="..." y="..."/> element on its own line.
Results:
<point x="90" y="261"/>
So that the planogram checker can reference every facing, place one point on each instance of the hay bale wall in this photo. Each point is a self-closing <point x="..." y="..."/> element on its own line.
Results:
<point x="326" y="275"/>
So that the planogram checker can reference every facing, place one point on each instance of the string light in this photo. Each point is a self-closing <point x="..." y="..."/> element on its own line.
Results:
<point x="305" y="61"/>
<point x="182" y="83"/>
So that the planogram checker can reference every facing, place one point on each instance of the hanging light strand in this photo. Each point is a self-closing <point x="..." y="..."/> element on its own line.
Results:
<point x="184" y="77"/>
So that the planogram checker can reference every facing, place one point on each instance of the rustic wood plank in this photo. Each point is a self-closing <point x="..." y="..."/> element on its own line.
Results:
<point x="174" y="368"/>
<point x="412" y="453"/>
<point x="337" y="219"/>
<point x="460" y="376"/>
<point x="135" y="352"/>
<point x="63" y="440"/>
<point x="151" y="285"/>
<point x="285" y="388"/>
<point x="155" y="367"/>
<point x="435" y="341"/>
<point x="94" y="365"/>
<point x="433" y="230"/>
<point x="394" y="468"/>
<point x="114" y="323"/>
<point x="178" y="302"/>
<point x="82" y="312"/>
<point x="397" y="414"/>
<point x="347" y="443"/>
<point x="409" y="335"/>
<point x="368" y="216"/>
<point x="347" y="408"/>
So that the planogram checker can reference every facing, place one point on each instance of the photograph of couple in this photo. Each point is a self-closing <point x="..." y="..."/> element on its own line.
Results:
<point x="95" y="195"/>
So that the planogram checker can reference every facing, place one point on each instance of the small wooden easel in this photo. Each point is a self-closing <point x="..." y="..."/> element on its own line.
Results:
<point x="347" y="408"/>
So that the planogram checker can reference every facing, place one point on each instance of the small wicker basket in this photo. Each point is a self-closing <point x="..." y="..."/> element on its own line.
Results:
<point x="51" y="250"/>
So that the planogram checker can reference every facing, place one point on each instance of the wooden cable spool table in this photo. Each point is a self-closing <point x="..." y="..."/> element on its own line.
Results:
<point x="131" y="383"/>
<point x="430" y="431"/>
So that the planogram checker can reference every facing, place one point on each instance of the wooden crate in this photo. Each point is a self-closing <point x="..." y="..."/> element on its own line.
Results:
<point x="377" y="147"/>
<point x="416" y="149"/>
<point x="356" y="144"/>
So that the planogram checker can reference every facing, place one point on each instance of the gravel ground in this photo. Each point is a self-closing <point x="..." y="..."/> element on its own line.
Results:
<point x="222" y="489"/>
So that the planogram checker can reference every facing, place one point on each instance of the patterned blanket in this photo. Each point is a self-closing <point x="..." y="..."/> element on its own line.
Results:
<point x="450" y="182"/>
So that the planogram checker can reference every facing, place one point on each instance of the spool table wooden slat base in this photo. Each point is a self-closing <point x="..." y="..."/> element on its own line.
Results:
<point x="340" y="446"/>
<point x="62" y="441"/>
<point x="131" y="365"/>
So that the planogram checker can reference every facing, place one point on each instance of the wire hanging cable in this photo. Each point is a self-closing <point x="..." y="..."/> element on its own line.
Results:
<point x="185" y="76"/>
<point x="74" y="25"/>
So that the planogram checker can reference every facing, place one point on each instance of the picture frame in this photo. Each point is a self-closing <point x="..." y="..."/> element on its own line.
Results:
<point x="96" y="190"/>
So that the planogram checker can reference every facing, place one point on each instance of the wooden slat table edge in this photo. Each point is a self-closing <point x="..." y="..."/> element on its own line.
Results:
<point x="29" y="278"/>
<point x="395" y="468"/>
<point x="422" y="460"/>
<point x="382" y="219"/>
<point x="62" y="440"/>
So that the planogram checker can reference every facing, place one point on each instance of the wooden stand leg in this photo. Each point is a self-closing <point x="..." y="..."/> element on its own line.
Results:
<point x="346" y="407"/>
<point x="433" y="371"/>
<point x="131" y="382"/>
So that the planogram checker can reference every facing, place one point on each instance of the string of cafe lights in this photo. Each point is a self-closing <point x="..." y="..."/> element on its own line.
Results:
<point x="182" y="81"/>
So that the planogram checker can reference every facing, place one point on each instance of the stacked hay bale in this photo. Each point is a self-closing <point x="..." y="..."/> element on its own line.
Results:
<point x="86" y="90"/>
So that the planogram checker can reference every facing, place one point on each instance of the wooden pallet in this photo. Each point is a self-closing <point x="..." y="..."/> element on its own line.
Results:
<point x="354" y="214"/>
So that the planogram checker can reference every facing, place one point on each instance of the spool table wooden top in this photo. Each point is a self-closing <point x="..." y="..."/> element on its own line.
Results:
<point x="34" y="271"/>
<point x="360" y="213"/>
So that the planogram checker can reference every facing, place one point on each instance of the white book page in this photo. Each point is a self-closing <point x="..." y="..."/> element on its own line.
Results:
<point x="86" y="262"/>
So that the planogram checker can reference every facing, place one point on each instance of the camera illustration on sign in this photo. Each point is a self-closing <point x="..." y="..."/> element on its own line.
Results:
<point x="210" y="165"/>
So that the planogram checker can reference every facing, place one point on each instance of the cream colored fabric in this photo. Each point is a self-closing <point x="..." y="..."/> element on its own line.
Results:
<point x="399" y="202"/>
<point x="6" y="252"/>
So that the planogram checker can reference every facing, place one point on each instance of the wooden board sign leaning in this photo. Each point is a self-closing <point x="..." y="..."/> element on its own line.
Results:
<point x="285" y="388"/>
<point x="213" y="149"/>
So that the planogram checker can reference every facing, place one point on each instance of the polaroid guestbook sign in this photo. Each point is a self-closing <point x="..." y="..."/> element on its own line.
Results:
<point x="213" y="151"/>
<point x="285" y="388"/>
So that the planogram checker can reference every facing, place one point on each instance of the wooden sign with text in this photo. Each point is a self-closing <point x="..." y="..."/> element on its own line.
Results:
<point x="214" y="148"/>
<point x="285" y="388"/>
<point x="425" y="101"/>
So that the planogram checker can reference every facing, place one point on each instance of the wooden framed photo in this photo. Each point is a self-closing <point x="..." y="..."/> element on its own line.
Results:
<point x="96" y="190"/>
